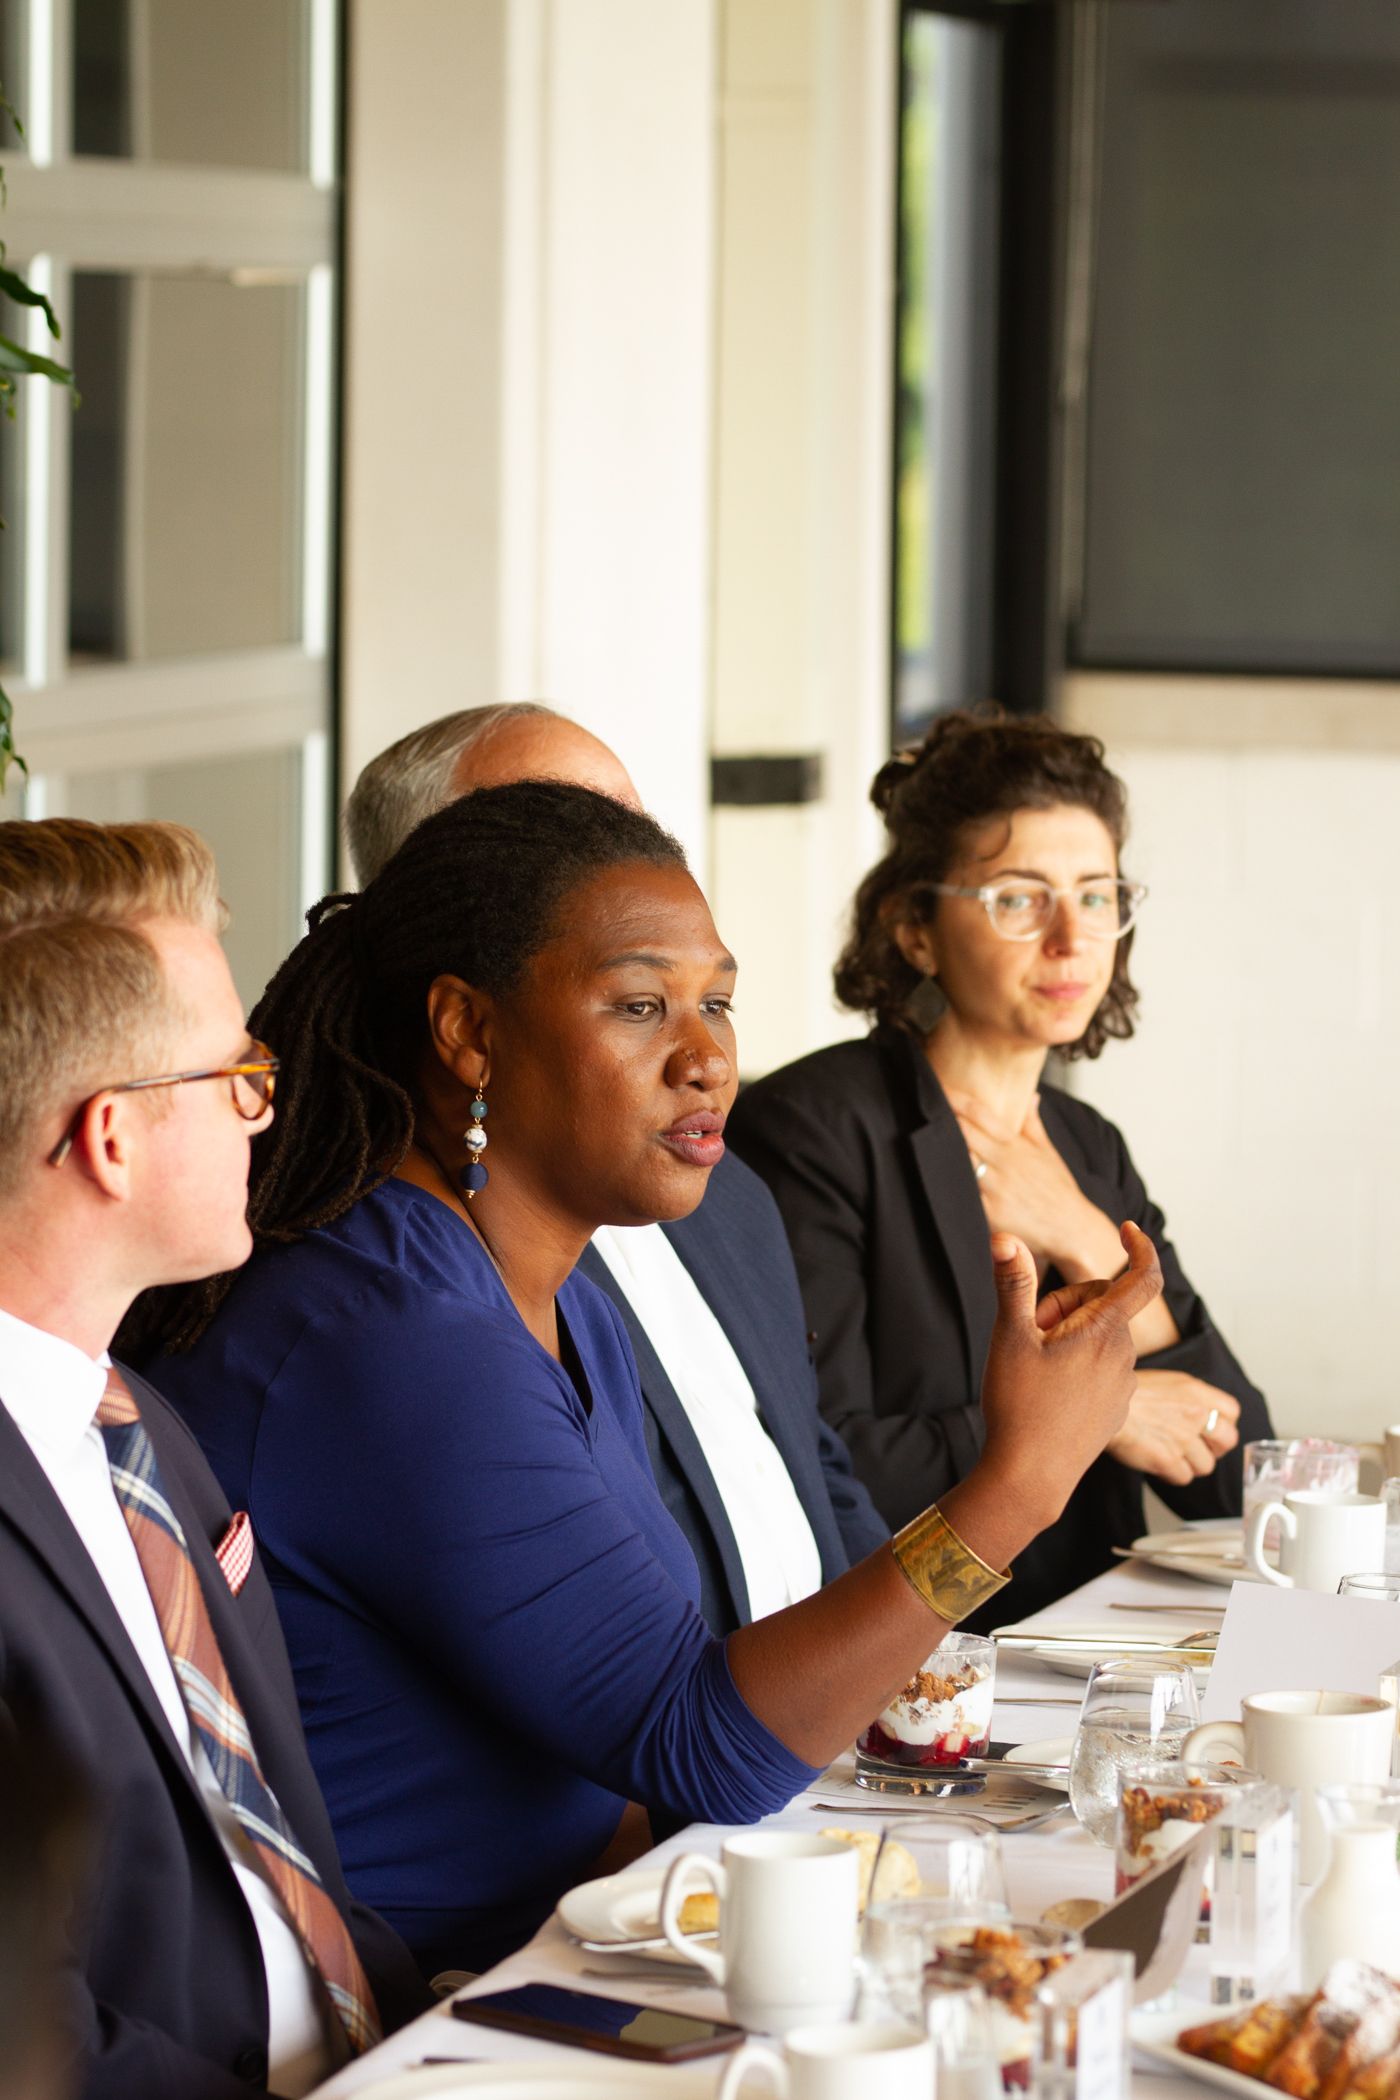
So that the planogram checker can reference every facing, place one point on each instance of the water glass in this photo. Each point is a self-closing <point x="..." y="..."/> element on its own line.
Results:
<point x="961" y="2024"/>
<point x="947" y="1860"/>
<point x="1390" y="1496"/>
<point x="1277" y="1466"/>
<point x="927" y="1870"/>
<point x="1383" y="1589"/>
<point x="1134" y="1713"/>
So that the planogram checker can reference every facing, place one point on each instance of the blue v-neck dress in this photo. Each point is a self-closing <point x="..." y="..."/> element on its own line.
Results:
<point x="491" y="1616"/>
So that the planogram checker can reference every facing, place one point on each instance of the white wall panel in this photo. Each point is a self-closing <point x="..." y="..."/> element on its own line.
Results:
<point x="1259" y="1095"/>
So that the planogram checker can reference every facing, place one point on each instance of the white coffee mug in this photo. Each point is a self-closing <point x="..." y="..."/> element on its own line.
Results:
<point x="1324" y="1538"/>
<point x="787" y="1926"/>
<point x="1302" y="1740"/>
<point x="861" y="2060"/>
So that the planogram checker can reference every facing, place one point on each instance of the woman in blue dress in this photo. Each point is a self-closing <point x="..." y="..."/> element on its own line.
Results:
<point x="436" y="1427"/>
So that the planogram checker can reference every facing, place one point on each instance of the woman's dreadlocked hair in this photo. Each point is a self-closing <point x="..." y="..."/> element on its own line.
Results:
<point x="475" y="892"/>
<point x="972" y="764"/>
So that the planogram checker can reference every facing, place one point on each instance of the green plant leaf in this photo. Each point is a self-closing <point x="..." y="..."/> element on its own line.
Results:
<point x="14" y="287"/>
<point x="8" y="754"/>
<point x="27" y="363"/>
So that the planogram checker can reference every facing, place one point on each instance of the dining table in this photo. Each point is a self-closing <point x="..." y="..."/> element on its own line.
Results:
<point x="1044" y="1865"/>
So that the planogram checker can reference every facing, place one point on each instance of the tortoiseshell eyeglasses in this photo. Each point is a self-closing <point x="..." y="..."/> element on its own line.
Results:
<point x="251" y="1083"/>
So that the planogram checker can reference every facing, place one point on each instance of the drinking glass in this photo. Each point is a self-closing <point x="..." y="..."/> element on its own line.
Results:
<point x="942" y="1859"/>
<point x="1005" y="1961"/>
<point x="1134" y="1713"/>
<point x="1390" y="1496"/>
<point x="1161" y="1807"/>
<point x="927" y="1869"/>
<point x="1277" y="1466"/>
<point x="1385" y="1589"/>
<point x="941" y="1716"/>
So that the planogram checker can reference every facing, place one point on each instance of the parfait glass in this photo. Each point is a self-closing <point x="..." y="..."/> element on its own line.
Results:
<point x="1135" y="1713"/>
<point x="943" y="1715"/>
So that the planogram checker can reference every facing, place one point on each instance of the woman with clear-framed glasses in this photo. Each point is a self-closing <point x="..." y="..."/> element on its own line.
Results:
<point x="995" y="931"/>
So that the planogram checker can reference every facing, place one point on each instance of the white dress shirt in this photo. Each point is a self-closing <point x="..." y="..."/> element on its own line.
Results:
<point x="779" y="1554"/>
<point x="51" y="1391"/>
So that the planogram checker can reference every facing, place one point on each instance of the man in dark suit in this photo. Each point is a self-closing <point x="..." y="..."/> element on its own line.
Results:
<point x="215" y="1946"/>
<point x="760" y="1485"/>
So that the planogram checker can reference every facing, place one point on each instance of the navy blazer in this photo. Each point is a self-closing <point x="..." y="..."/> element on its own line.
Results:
<point x="871" y="1172"/>
<point x="736" y="1250"/>
<point x="166" y="1993"/>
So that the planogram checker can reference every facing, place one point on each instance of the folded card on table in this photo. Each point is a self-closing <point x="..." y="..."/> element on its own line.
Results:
<point x="1275" y="1640"/>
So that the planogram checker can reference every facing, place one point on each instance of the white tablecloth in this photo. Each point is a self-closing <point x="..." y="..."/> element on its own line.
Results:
<point x="1042" y="1866"/>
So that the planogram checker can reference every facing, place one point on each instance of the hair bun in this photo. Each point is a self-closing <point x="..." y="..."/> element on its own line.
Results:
<point x="942" y="733"/>
<point x="892" y="776"/>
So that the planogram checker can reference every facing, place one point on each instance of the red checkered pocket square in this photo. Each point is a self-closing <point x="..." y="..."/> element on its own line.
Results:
<point x="234" y="1552"/>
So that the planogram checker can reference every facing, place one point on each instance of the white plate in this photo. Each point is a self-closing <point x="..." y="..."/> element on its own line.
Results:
<point x="556" y="2081"/>
<point x="1155" y="2033"/>
<point x="1206" y="1555"/>
<point x="1053" y="1751"/>
<point x="1070" y="1662"/>
<point x="622" y="1907"/>
<point x="616" y="1907"/>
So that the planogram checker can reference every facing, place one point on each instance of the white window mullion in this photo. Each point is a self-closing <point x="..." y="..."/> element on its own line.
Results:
<point x="318" y="413"/>
<point x="322" y="73"/>
<point x="45" y="107"/>
<point x="44" y="412"/>
<point x="315" y="805"/>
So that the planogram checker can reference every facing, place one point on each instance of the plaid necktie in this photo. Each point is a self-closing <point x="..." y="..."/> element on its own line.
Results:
<point x="218" y="1718"/>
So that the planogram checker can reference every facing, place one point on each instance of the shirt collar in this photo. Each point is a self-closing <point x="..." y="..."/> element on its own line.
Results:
<point x="50" y="1389"/>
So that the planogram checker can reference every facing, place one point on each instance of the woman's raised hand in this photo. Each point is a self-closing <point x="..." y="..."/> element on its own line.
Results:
<point x="1177" y="1427"/>
<point x="1060" y="1376"/>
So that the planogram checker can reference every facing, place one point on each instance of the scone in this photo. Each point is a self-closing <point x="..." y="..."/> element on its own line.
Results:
<point x="700" y="1912"/>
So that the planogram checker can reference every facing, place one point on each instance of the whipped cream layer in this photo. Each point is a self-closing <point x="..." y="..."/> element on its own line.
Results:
<point x="917" y="1719"/>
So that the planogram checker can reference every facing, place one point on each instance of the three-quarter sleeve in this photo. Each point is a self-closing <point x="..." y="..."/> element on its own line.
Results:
<point x="442" y="1478"/>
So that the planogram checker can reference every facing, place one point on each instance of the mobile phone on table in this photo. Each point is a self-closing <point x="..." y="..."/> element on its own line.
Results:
<point x="584" y="2020"/>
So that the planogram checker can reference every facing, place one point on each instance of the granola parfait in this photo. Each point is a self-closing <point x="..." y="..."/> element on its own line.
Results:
<point x="941" y="1716"/>
<point x="1162" y="1807"/>
<point x="1000" y="1967"/>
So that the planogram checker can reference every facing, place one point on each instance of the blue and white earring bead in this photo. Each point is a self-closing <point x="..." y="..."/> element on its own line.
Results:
<point x="473" y="1176"/>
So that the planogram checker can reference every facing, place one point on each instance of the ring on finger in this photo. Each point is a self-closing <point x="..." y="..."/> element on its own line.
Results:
<point x="1210" y="1422"/>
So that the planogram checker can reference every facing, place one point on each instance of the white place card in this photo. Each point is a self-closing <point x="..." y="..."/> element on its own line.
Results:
<point x="1276" y="1640"/>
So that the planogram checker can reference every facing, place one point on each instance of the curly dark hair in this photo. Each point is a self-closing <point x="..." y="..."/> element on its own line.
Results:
<point x="973" y="764"/>
<point x="475" y="892"/>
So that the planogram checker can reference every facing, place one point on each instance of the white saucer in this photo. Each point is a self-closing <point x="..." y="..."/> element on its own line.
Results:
<point x="1054" y="1750"/>
<point x="615" y="1907"/>
<point x="1204" y="1553"/>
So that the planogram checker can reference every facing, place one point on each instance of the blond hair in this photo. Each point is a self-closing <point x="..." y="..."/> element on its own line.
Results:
<point x="84" y="1001"/>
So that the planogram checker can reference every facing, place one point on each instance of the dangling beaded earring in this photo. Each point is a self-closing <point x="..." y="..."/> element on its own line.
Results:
<point x="473" y="1176"/>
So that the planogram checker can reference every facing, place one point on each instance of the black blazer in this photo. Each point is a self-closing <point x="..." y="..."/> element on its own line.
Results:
<point x="872" y="1175"/>
<point x="736" y="1251"/>
<point x="166" y="1994"/>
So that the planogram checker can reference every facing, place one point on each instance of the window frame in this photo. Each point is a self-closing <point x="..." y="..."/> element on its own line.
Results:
<point x="69" y="212"/>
